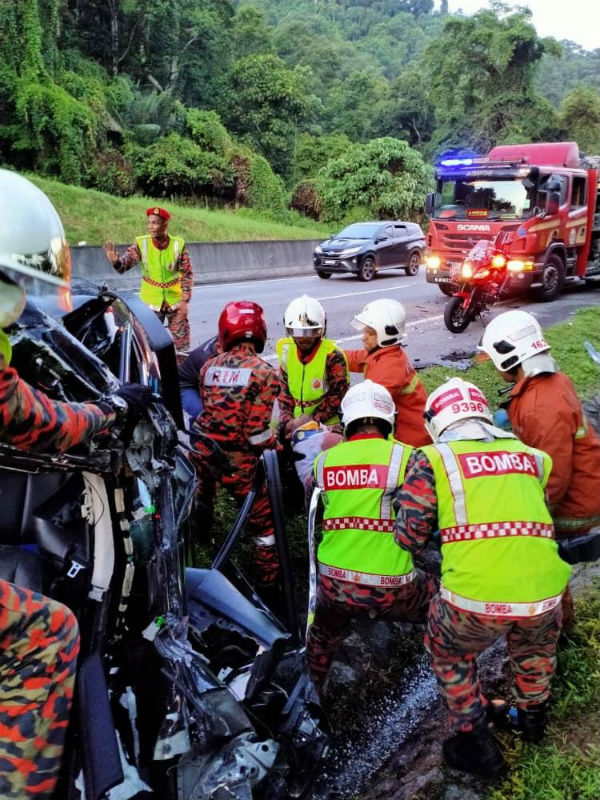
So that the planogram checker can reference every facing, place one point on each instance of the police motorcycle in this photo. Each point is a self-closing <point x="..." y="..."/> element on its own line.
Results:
<point x="485" y="276"/>
<point x="188" y="686"/>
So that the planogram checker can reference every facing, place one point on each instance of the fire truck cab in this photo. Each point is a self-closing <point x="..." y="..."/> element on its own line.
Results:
<point x="540" y="202"/>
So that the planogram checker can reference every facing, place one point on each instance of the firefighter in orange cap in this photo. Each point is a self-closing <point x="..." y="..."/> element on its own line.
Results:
<point x="167" y="275"/>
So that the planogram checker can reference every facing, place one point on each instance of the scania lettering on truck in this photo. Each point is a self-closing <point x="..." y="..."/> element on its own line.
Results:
<point x="539" y="202"/>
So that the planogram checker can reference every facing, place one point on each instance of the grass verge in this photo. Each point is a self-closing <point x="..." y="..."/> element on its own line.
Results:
<point x="94" y="217"/>
<point x="566" y="766"/>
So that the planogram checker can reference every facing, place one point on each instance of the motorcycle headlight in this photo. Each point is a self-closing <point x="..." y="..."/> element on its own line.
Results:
<point x="482" y="273"/>
<point x="498" y="261"/>
<point x="467" y="270"/>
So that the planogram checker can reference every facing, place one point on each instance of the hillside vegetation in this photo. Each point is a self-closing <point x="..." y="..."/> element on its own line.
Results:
<point x="334" y="108"/>
<point x="93" y="217"/>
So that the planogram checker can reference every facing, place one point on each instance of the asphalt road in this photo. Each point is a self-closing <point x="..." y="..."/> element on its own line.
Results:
<point x="343" y="296"/>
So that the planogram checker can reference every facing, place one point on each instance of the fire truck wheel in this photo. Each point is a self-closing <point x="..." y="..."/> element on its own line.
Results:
<point x="552" y="280"/>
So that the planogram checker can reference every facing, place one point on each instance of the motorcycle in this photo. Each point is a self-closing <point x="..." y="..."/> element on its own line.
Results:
<point x="188" y="686"/>
<point x="484" y="277"/>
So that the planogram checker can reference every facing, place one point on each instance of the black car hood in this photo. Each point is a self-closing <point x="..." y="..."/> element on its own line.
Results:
<point x="335" y="245"/>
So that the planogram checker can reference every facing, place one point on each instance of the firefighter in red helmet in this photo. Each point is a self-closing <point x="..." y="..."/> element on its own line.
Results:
<point x="238" y="391"/>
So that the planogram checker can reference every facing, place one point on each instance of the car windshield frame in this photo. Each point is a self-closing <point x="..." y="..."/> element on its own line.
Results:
<point x="484" y="198"/>
<point x="369" y="231"/>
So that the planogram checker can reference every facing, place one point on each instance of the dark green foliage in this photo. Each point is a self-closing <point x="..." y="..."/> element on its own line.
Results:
<point x="181" y="97"/>
<point x="385" y="178"/>
<point x="174" y="165"/>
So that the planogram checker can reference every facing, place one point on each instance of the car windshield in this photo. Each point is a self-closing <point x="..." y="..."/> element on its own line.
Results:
<point x="484" y="199"/>
<point x="360" y="230"/>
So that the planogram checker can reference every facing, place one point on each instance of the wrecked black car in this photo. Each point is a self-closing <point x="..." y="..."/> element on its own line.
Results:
<point x="188" y="686"/>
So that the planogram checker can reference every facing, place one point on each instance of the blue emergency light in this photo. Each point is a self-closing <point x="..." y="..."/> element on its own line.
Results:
<point x="456" y="162"/>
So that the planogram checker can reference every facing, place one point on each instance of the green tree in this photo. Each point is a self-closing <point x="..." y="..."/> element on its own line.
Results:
<point x="251" y="34"/>
<point x="580" y="115"/>
<point x="264" y="103"/>
<point x="481" y="72"/>
<point x="382" y="178"/>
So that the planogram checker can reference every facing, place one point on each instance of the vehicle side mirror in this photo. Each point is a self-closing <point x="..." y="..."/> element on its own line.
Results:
<point x="552" y="203"/>
<point x="380" y="239"/>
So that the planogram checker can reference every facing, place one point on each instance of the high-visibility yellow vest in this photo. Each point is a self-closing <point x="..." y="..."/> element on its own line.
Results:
<point x="307" y="382"/>
<point x="359" y="479"/>
<point x="496" y="531"/>
<point x="161" y="279"/>
<point x="5" y="348"/>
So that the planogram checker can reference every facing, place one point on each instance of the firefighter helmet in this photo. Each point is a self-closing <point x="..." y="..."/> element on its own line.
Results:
<point x="33" y="250"/>
<point x="368" y="401"/>
<point x="304" y="316"/>
<point x="387" y="318"/>
<point x="242" y="321"/>
<point x="453" y="401"/>
<point x="512" y="338"/>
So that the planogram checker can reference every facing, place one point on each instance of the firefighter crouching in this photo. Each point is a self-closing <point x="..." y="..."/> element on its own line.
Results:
<point x="314" y="374"/>
<point x="501" y="573"/>
<point x="361" y="569"/>
<point x="238" y="391"/>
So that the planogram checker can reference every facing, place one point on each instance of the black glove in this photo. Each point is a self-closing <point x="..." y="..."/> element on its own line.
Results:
<point x="137" y="397"/>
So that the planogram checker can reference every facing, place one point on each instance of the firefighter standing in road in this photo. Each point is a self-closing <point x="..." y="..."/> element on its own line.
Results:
<point x="39" y="639"/>
<point x="238" y="393"/>
<point x="501" y="573"/>
<point x="361" y="570"/>
<point x="314" y="374"/>
<point x="167" y="276"/>
<point x="383" y="324"/>
<point x="546" y="413"/>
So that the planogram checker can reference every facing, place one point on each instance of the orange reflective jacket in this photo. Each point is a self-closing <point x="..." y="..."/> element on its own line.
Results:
<point x="545" y="412"/>
<point x="390" y="367"/>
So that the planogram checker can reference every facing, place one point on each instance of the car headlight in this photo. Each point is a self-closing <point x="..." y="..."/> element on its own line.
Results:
<point x="318" y="250"/>
<point x="351" y="251"/>
<point x="433" y="262"/>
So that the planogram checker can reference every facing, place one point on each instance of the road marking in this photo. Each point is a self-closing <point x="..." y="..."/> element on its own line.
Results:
<point x="253" y="282"/>
<point x="370" y="291"/>
<point x="273" y="356"/>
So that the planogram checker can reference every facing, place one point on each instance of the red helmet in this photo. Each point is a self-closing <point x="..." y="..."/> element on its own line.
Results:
<point x="242" y="321"/>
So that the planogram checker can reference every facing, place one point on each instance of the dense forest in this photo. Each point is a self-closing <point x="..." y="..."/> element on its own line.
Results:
<point x="334" y="108"/>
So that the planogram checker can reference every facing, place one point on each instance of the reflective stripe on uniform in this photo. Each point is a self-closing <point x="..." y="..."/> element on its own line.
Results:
<point x="360" y="523"/>
<point x="581" y="431"/>
<point x="392" y="481"/>
<point x="260" y="438"/>
<point x="455" y="480"/>
<point x="500" y="609"/>
<point x="369" y="578"/>
<point x="411" y="386"/>
<point x="265" y="541"/>
<point x="493" y="530"/>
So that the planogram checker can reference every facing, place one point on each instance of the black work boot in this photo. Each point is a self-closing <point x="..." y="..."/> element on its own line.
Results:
<point x="475" y="751"/>
<point x="532" y="722"/>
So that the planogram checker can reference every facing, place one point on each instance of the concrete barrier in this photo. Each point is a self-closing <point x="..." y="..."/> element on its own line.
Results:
<point x="213" y="262"/>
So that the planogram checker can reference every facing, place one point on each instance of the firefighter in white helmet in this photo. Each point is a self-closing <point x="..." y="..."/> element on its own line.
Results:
<point x="382" y="360"/>
<point x="545" y="412"/>
<point x="314" y="374"/>
<point x="361" y="570"/>
<point x="483" y="490"/>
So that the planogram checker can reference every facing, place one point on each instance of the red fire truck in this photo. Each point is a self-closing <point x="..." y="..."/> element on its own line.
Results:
<point x="540" y="202"/>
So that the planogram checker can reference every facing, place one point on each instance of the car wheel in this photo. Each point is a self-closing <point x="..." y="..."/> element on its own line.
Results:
<point x="414" y="262"/>
<point x="323" y="275"/>
<point x="367" y="269"/>
<point x="552" y="280"/>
